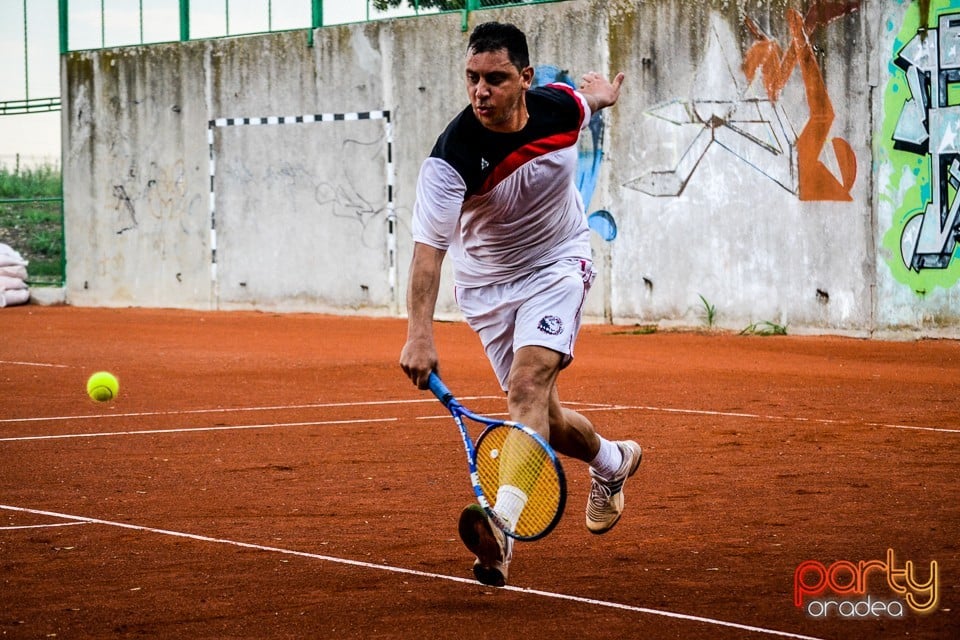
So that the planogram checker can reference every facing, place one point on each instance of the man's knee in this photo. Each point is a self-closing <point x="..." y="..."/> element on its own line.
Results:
<point x="537" y="366"/>
<point x="527" y="385"/>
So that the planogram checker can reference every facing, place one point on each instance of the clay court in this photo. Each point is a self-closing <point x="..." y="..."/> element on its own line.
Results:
<point x="275" y="476"/>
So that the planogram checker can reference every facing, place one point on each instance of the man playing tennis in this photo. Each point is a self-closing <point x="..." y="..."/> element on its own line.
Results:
<point x="498" y="194"/>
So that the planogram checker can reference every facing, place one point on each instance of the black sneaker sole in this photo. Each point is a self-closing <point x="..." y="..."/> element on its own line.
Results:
<point x="488" y="576"/>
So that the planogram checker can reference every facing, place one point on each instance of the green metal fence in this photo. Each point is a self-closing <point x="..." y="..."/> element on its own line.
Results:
<point x="27" y="103"/>
<point x="31" y="220"/>
<point x="31" y="204"/>
<point x="37" y="236"/>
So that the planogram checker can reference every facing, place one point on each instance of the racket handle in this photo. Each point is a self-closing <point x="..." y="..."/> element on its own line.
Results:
<point x="440" y="390"/>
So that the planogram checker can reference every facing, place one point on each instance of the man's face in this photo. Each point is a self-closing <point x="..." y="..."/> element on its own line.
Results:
<point x="496" y="89"/>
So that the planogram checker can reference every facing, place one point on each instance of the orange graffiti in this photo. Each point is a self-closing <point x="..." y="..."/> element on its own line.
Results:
<point x="816" y="181"/>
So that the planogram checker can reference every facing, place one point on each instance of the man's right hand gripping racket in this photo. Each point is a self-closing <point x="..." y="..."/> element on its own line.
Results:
<point x="509" y="453"/>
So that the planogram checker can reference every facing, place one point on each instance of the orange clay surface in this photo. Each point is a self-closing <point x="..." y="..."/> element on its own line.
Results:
<point x="276" y="476"/>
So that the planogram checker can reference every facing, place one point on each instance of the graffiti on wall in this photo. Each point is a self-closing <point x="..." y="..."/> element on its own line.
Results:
<point x="816" y="180"/>
<point x="151" y="192"/>
<point x="922" y="148"/>
<point x="757" y="129"/>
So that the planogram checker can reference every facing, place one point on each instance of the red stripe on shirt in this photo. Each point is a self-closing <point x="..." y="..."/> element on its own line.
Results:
<point x="527" y="153"/>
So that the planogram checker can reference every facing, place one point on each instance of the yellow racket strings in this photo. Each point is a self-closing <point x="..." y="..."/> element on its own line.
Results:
<point x="508" y="456"/>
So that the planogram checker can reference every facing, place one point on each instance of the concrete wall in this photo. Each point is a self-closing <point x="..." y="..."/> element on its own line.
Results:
<point x="764" y="159"/>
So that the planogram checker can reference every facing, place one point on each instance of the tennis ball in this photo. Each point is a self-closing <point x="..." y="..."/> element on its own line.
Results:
<point x="103" y="386"/>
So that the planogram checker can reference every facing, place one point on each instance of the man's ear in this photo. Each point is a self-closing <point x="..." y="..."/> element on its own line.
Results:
<point x="526" y="77"/>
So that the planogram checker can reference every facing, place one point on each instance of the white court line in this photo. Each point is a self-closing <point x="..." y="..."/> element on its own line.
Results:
<point x="272" y="425"/>
<point x="35" y="364"/>
<point x="908" y="427"/>
<point x="756" y="416"/>
<point x="414" y="572"/>
<point x="185" y="412"/>
<point x="42" y="526"/>
<point x="581" y="406"/>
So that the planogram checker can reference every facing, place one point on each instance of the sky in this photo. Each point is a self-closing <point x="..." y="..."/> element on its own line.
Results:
<point x="30" y="54"/>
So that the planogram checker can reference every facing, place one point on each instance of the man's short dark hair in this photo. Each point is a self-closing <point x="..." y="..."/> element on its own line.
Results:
<point x="493" y="36"/>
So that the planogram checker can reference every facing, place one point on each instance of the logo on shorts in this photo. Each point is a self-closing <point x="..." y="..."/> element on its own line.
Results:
<point x="551" y="325"/>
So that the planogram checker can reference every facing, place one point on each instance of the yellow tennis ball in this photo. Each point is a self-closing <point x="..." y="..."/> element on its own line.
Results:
<point x="103" y="386"/>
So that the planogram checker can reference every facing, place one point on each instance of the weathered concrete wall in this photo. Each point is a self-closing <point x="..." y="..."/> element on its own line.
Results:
<point x="297" y="221"/>
<point x="764" y="159"/>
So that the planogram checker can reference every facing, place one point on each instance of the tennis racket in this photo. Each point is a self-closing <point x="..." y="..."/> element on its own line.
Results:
<point x="510" y="453"/>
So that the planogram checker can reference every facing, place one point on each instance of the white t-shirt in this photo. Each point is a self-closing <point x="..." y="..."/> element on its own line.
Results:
<point x="506" y="204"/>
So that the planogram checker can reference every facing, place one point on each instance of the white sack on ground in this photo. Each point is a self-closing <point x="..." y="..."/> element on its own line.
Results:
<point x="13" y="277"/>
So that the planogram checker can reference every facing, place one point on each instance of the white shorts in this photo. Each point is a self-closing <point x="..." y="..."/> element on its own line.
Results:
<point x="542" y="309"/>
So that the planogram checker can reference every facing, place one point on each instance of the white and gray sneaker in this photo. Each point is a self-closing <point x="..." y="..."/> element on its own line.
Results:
<point x="605" y="503"/>
<point x="493" y="547"/>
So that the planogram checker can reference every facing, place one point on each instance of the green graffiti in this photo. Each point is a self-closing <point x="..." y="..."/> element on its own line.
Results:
<point x="905" y="175"/>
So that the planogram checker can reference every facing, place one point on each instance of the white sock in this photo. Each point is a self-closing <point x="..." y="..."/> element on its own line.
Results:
<point x="608" y="459"/>
<point x="509" y="505"/>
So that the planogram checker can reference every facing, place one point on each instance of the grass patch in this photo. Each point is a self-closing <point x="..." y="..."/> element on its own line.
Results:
<point x="639" y="330"/>
<point x="765" y="328"/>
<point x="709" y="312"/>
<point x="39" y="182"/>
<point x="31" y="220"/>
